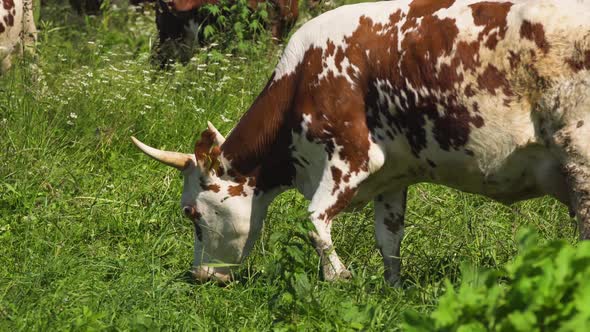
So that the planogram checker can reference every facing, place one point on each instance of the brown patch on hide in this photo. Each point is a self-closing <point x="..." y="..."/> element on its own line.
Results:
<point x="344" y="198"/>
<point x="421" y="8"/>
<point x="467" y="55"/>
<point x="580" y="61"/>
<point x="259" y="145"/>
<point x="237" y="190"/>
<point x="492" y="79"/>
<point x="335" y="122"/>
<point x="8" y="4"/>
<point x="432" y="39"/>
<point x="514" y="59"/>
<point x="211" y="187"/>
<point x="469" y="92"/>
<point x="9" y="20"/>
<point x="337" y="177"/>
<point x="535" y="32"/>
<point x="2" y="29"/>
<point x="492" y="16"/>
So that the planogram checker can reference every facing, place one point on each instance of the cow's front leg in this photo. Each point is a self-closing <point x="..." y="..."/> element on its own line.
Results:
<point x="390" y="209"/>
<point x="332" y="196"/>
<point x="332" y="267"/>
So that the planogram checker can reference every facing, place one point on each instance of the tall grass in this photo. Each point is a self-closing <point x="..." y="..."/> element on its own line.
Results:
<point x="91" y="234"/>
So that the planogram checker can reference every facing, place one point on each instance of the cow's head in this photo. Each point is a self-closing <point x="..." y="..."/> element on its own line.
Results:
<point x="225" y="209"/>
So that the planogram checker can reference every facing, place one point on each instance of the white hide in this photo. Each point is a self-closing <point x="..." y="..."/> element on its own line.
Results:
<point x="19" y="36"/>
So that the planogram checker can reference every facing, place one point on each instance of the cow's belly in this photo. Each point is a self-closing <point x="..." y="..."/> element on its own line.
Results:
<point x="525" y="173"/>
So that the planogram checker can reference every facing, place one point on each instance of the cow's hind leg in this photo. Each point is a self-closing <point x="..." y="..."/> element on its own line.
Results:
<point x="389" y="230"/>
<point x="576" y="165"/>
<point x="572" y="139"/>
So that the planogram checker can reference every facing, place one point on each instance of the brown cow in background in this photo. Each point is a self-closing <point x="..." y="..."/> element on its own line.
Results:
<point x="88" y="7"/>
<point x="180" y="25"/>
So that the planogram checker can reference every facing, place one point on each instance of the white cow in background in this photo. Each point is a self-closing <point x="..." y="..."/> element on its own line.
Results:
<point x="17" y="29"/>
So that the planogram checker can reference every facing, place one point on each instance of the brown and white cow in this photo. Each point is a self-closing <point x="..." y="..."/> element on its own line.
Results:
<point x="180" y="25"/>
<point x="489" y="97"/>
<point x="17" y="29"/>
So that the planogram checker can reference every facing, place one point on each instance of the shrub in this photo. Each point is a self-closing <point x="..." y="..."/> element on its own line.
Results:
<point x="546" y="288"/>
<point x="233" y="24"/>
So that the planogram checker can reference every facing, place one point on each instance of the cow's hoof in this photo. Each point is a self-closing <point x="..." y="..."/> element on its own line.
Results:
<point x="203" y="275"/>
<point x="345" y="275"/>
<point x="395" y="283"/>
<point x="340" y="274"/>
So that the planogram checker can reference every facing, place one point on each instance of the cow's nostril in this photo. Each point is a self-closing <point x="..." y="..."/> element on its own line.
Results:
<point x="188" y="211"/>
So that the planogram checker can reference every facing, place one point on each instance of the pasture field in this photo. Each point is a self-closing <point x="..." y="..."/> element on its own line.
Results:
<point x="91" y="233"/>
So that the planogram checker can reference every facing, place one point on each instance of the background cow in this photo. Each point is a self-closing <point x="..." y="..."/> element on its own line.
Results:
<point x="90" y="7"/>
<point x="17" y="29"/>
<point x="180" y="25"/>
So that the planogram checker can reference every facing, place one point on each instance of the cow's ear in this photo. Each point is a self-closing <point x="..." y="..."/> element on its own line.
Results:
<point x="208" y="153"/>
<point x="219" y="139"/>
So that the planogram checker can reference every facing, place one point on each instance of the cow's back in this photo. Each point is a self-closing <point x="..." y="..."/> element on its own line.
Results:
<point x="450" y="88"/>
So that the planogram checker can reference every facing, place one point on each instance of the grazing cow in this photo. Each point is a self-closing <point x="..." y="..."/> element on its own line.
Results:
<point x="488" y="97"/>
<point x="89" y="7"/>
<point x="17" y="29"/>
<point x="180" y="25"/>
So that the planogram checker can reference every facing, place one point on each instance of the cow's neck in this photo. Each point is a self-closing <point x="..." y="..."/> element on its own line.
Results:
<point x="259" y="146"/>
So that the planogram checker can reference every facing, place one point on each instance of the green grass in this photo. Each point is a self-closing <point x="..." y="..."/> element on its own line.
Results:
<point x="91" y="233"/>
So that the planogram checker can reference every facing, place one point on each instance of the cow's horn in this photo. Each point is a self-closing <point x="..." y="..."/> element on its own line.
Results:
<point x="219" y="139"/>
<point x="174" y="159"/>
